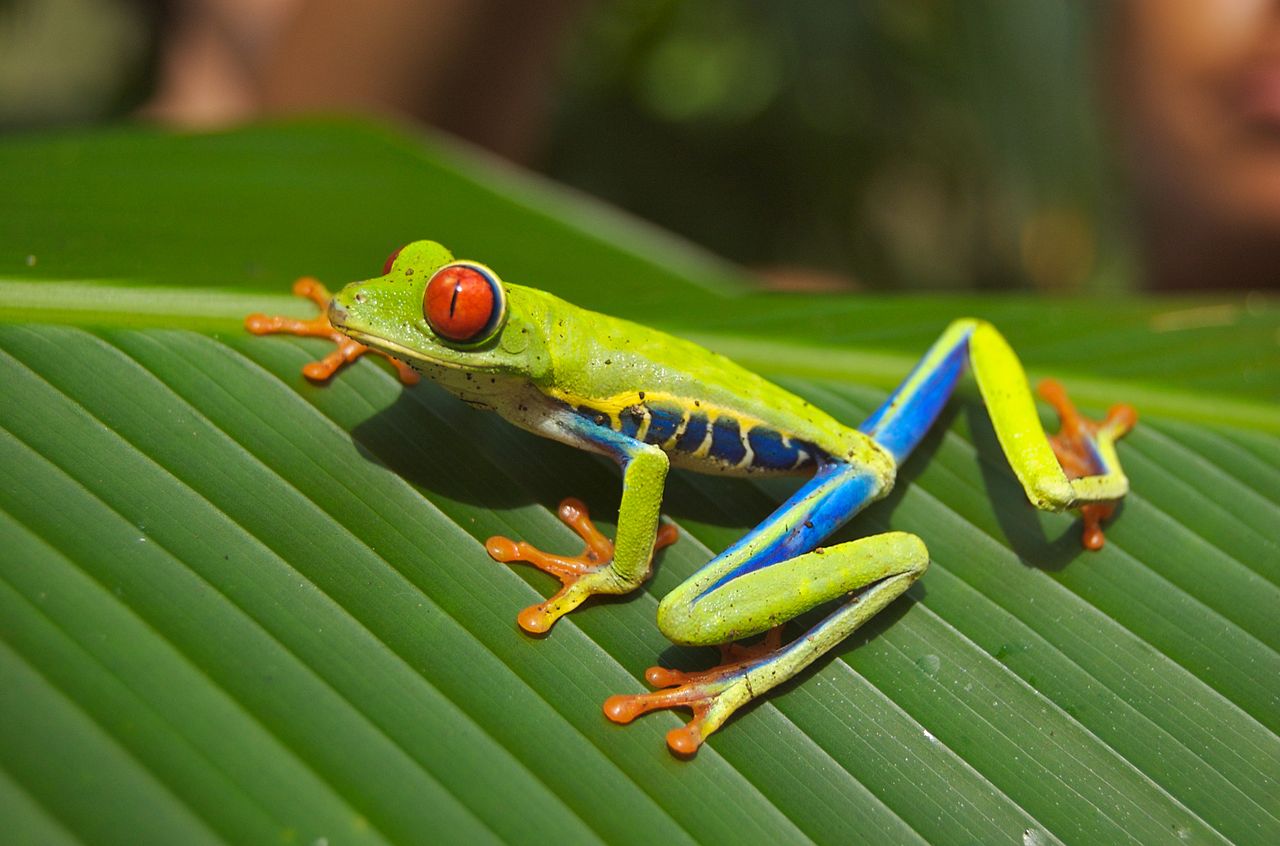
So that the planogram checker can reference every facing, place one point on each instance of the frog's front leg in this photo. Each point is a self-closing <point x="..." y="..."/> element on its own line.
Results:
<point x="605" y="566"/>
<point x="346" y="349"/>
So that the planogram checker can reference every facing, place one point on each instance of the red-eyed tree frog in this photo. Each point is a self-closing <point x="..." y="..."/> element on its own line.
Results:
<point x="650" y="401"/>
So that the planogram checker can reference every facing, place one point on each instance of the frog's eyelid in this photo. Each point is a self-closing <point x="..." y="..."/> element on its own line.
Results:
<point x="391" y="259"/>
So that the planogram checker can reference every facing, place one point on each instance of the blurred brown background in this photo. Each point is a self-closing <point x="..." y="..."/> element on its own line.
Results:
<point x="887" y="144"/>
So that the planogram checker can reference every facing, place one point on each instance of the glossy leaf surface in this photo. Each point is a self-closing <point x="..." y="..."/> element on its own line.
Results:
<point x="238" y="607"/>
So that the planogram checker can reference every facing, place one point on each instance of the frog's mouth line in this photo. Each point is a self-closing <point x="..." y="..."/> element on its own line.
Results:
<point x="338" y="315"/>
<point x="392" y="348"/>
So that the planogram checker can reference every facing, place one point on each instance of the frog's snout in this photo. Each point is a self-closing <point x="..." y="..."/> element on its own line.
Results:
<point x="337" y="314"/>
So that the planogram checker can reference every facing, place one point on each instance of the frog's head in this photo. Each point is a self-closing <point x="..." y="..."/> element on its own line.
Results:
<point x="444" y="316"/>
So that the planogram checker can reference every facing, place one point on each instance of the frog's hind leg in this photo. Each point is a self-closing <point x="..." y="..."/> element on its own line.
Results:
<point x="347" y="349"/>
<point x="875" y="570"/>
<point x="1076" y="469"/>
<point x="772" y="575"/>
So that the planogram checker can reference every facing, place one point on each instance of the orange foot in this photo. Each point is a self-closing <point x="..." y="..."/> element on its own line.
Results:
<point x="1074" y="447"/>
<point x="712" y="694"/>
<point x="580" y="575"/>
<point x="319" y="327"/>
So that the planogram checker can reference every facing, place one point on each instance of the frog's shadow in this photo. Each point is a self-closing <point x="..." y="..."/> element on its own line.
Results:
<point x="440" y="446"/>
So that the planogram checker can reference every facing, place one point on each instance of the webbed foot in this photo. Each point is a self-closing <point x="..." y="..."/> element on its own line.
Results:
<point x="713" y="695"/>
<point x="319" y="327"/>
<point x="581" y="575"/>
<point x="1076" y="445"/>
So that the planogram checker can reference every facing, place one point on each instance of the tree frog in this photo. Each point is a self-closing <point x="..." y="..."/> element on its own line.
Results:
<point x="651" y="401"/>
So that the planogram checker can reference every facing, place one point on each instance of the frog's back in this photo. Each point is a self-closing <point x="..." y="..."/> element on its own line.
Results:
<point x="706" y="412"/>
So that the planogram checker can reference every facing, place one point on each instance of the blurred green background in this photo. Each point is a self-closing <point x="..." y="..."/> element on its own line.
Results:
<point x="890" y="144"/>
<point x="904" y="144"/>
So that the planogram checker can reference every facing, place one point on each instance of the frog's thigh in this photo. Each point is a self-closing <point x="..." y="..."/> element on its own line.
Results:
<point x="879" y="568"/>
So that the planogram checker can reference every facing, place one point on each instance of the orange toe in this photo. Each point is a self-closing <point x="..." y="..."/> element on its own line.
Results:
<point x="1073" y="445"/>
<point x="580" y="575"/>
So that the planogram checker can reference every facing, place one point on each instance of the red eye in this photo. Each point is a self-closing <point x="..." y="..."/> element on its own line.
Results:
<point x="391" y="259"/>
<point x="464" y="302"/>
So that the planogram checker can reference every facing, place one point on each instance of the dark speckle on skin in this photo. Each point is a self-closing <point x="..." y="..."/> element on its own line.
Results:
<point x="608" y="361"/>
<point x="642" y="395"/>
<point x="408" y="272"/>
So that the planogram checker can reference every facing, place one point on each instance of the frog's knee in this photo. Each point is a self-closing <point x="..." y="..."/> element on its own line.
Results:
<point x="967" y="324"/>
<point x="679" y="624"/>
<point x="673" y="616"/>
<point x="1051" y="493"/>
<point x="918" y="560"/>
<point x="907" y="550"/>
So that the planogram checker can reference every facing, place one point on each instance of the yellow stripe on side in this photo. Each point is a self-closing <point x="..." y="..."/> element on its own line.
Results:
<point x="669" y="444"/>
<point x="614" y="405"/>
<point x="643" y="428"/>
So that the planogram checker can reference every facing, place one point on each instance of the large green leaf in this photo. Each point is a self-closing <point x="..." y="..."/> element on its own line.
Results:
<point x="238" y="607"/>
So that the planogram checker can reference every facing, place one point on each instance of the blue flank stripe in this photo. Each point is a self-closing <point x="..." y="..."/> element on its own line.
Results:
<point x="630" y="419"/>
<point x="615" y="444"/>
<point x="663" y="422"/>
<point x="694" y="433"/>
<point x="726" y="441"/>
<point x="768" y="450"/>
